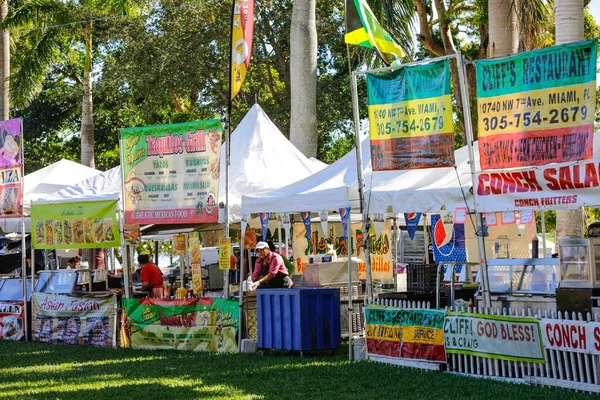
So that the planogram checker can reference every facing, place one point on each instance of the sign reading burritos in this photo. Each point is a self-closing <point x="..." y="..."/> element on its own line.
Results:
<point x="171" y="172"/>
<point x="87" y="224"/>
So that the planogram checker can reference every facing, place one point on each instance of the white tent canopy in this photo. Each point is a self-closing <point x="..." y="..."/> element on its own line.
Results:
<point x="262" y="159"/>
<point x="102" y="186"/>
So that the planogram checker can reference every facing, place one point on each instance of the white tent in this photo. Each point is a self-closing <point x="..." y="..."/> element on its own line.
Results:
<point x="262" y="159"/>
<point x="336" y="186"/>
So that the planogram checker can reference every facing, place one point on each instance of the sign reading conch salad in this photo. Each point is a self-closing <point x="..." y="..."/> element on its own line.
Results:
<point x="11" y="160"/>
<point x="84" y="224"/>
<point x="171" y="172"/>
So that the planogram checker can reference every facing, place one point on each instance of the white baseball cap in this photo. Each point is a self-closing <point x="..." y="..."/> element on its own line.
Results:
<point x="262" y="245"/>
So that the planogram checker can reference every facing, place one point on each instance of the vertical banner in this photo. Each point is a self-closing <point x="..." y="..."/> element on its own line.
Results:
<point x="537" y="107"/>
<point x="410" y="118"/>
<point x="11" y="162"/>
<point x="250" y="239"/>
<point x="264" y="225"/>
<point x="195" y="259"/>
<point x="171" y="172"/>
<point x="448" y="240"/>
<point x="380" y="253"/>
<point x="131" y="233"/>
<point x="178" y="243"/>
<point x="306" y="219"/>
<point x="204" y="324"/>
<point x="499" y="337"/>
<point x="224" y="253"/>
<point x="345" y="216"/>
<point x="83" y="225"/>
<point x="324" y="217"/>
<point x="12" y="320"/>
<point x="83" y="320"/>
<point x="412" y="223"/>
<point x="241" y="42"/>
<point x="405" y="333"/>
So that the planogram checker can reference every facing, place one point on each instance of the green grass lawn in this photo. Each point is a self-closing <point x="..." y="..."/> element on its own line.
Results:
<point x="41" y="371"/>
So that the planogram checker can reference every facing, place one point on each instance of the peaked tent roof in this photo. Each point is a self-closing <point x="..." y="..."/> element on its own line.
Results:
<point x="103" y="185"/>
<point x="262" y="159"/>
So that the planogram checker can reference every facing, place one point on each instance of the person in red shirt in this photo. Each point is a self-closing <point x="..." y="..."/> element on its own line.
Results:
<point x="151" y="275"/>
<point x="269" y="270"/>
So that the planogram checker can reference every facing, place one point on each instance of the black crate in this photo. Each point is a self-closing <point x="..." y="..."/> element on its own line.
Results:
<point x="421" y="278"/>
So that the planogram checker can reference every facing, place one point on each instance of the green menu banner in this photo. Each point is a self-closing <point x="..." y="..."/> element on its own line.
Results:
<point x="81" y="225"/>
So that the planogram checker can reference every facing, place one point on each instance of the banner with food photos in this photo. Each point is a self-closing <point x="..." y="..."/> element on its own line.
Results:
<point x="171" y="172"/>
<point x="12" y="320"/>
<point x="75" y="225"/>
<point x="11" y="162"/>
<point x="82" y="320"/>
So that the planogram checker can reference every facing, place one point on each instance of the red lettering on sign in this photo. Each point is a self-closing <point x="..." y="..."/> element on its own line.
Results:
<point x="487" y="329"/>
<point x="570" y="336"/>
<point x="597" y="337"/>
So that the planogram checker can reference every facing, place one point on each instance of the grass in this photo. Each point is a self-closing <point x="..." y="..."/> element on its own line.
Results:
<point x="41" y="371"/>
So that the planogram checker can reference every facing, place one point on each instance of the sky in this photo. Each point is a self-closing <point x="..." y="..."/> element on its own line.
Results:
<point x="594" y="9"/>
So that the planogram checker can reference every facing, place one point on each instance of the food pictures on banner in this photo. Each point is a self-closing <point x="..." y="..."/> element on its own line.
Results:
<point x="10" y="168"/>
<point x="537" y="107"/>
<point x="131" y="233"/>
<point x="171" y="172"/>
<point x="11" y="320"/>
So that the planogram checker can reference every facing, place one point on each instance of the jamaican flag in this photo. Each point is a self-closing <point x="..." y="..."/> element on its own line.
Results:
<point x="363" y="29"/>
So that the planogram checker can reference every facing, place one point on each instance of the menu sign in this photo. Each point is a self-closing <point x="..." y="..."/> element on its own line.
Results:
<point x="84" y="320"/>
<point x="82" y="225"/>
<point x="11" y="156"/>
<point x="11" y="320"/>
<point x="171" y="172"/>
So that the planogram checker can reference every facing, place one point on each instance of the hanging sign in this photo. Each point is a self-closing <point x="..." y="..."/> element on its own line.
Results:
<point x="178" y="245"/>
<point x="460" y="215"/>
<point x="224" y="253"/>
<point x="11" y="167"/>
<point x="131" y="233"/>
<point x="410" y="118"/>
<point x="345" y="216"/>
<point x="380" y="253"/>
<point x="307" y="225"/>
<point x="195" y="259"/>
<point x="76" y="225"/>
<point x="264" y="225"/>
<point x="526" y="217"/>
<point x="448" y="240"/>
<point x="507" y="217"/>
<point x="537" y="107"/>
<point x="12" y="320"/>
<point x="412" y="223"/>
<point x="324" y="217"/>
<point x="171" y="172"/>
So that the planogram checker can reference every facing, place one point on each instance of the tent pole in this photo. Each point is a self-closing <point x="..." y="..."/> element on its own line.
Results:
<point x="227" y="163"/>
<point x="241" y="290"/>
<point x="479" y="218"/>
<point x="361" y="194"/>
<point x="24" y="271"/>
<point x="349" y="300"/>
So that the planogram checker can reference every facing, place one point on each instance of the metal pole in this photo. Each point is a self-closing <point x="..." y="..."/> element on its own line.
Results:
<point x="24" y="270"/>
<point x="121" y="215"/>
<point x="469" y="134"/>
<point x="543" y="232"/>
<point x="241" y="291"/>
<point x="370" y="71"/>
<point x="124" y="246"/>
<point x="227" y="163"/>
<point x="359" y="175"/>
<point x="349" y="299"/>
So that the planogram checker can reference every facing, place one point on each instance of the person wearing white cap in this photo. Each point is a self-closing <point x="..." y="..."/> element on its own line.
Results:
<point x="269" y="270"/>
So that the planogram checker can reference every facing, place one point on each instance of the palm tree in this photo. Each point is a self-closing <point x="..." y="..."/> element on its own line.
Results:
<point x="56" y="30"/>
<point x="303" y="73"/>
<point x="503" y="28"/>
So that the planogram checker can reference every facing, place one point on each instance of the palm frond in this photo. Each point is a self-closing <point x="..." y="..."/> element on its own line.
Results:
<point x="38" y="14"/>
<point x="398" y="19"/>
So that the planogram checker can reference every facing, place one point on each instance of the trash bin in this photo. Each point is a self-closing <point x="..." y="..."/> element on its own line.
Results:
<point x="299" y="319"/>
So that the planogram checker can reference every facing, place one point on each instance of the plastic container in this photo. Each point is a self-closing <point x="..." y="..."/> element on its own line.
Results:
<point x="298" y="319"/>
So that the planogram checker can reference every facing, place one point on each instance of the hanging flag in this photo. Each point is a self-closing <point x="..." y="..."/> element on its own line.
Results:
<point x="345" y="216"/>
<point x="363" y="29"/>
<point x="378" y="222"/>
<point x="264" y="224"/>
<point x="306" y="219"/>
<point x="324" y="216"/>
<point x="242" y="26"/>
<point x="412" y="223"/>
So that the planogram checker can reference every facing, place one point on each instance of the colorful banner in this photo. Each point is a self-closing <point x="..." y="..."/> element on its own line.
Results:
<point x="345" y="216"/>
<point x="302" y="248"/>
<point x="549" y="187"/>
<point x="264" y="225"/>
<point x="448" y="240"/>
<point x="12" y="317"/>
<point x="241" y="42"/>
<point x="499" y="337"/>
<point x="224" y="253"/>
<point x="363" y="29"/>
<point x="195" y="259"/>
<point x="171" y="172"/>
<point x="131" y="233"/>
<point x="178" y="243"/>
<point x="410" y="118"/>
<point x="380" y="253"/>
<point x="572" y="336"/>
<point x="405" y="333"/>
<point x="82" y="320"/>
<point x="76" y="225"/>
<point x="537" y="107"/>
<point x="412" y="223"/>
<point x="307" y="225"/>
<point x="250" y="239"/>
<point x="208" y="324"/>
<point x="11" y="162"/>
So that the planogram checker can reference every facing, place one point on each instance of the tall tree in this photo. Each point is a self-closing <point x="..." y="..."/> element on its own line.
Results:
<point x="55" y="29"/>
<point x="503" y="28"/>
<point x="303" y="73"/>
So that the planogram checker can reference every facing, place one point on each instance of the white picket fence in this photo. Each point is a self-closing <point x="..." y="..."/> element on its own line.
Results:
<point x="565" y="369"/>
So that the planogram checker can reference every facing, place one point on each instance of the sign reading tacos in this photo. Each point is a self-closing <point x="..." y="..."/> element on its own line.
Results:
<point x="88" y="224"/>
<point x="171" y="172"/>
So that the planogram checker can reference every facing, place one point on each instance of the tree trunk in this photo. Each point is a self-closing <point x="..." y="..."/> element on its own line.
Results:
<point x="569" y="28"/>
<point x="4" y="65"/>
<point x="87" y="112"/>
<point x="503" y="28"/>
<point x="303" y="72"/>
